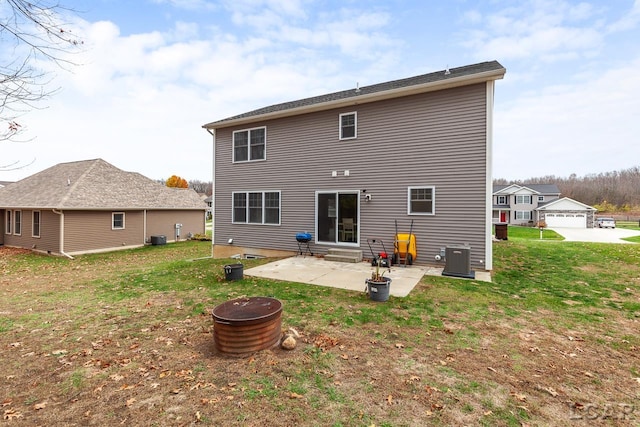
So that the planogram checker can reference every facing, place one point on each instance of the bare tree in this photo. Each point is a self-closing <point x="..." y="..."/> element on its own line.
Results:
<point x="619" y="189"/>
<point x="30" y="31"/>
<point x="201" y="187"/>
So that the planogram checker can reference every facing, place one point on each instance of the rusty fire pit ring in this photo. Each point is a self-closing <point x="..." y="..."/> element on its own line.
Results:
<point x="247" y="325"/>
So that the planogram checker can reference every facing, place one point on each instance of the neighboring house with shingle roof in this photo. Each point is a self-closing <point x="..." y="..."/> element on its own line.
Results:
<point x="527" y="204"/>
<point x="92" y="206"/>
<point x="344" y="166"/>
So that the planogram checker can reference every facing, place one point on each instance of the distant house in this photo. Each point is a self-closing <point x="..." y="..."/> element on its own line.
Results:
<point x="527" y="204"/>
<point x="92" y="206"/>
<point x="348" y="166"/>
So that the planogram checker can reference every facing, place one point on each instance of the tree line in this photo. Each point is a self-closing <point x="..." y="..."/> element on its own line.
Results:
<point x="617" y="191"/>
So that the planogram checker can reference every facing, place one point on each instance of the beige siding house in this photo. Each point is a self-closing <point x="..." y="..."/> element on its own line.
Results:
<point x="357" y="165"/>
<point x="92" y="206"/>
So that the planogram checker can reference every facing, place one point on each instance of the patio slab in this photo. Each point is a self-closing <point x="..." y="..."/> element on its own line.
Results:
<point x="343" y="275"/>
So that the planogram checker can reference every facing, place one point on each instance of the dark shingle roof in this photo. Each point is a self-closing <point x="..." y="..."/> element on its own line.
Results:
<point x="491" y="67"/>
<point x="94" y="184"/>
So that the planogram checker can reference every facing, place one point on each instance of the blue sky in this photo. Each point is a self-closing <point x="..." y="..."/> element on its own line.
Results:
<point x="152" y="72"/>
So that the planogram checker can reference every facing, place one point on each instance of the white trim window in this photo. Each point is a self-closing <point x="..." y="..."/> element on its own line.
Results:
<point x="256" y="207"/>
<point x="524" y="215"/>
<point x="17" y="223"/>
<point x="522" y="199"/>
<point x="349" y="125"/>
<point x="502" y="200"/>
<point x="250" y="145"/>
<point x="35" y="224"/>
<point x="541" y="198"/>
<point x="421" y="200"/>
<point x="7" y="222"/>
<point x="117" y="220"/>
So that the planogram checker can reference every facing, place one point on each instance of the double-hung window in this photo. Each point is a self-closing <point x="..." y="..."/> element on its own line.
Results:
<point x="421" y="200"/>
<point x="523" y="215"/>
<point x="256" y="207"/>
<point x="502" y="200"/>
<point x="17" y="223"/>
<point x="117" y="221"/>
<point x="35" y="224"/>
<point x="348" y="125"/>
<point x="7" y="222"/>
<point x="523" y="200"/>
<point x="249" y="145"/>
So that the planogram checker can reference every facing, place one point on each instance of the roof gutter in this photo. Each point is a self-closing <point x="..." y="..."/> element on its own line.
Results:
<point x="366" y="98"/>
<point x="59" y="212"/>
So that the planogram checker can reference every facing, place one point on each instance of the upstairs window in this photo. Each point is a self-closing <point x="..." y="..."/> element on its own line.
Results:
<point x="117" y="221"/>
<point x="421" y="200"/>
<point x="249" y="145"/>
<point x="523" y="200"/>
<point x="256" y="207"/>
<point x="502" y="200"/>
<point x="348" y="126"/>
<point x="541" y="198"/>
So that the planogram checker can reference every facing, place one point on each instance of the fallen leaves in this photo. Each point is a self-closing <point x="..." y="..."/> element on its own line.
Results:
<point x="325" y="342"/>
<point x="549" y="390"/>
<point x="10" y="414"/>
<point x="518" y="396"/>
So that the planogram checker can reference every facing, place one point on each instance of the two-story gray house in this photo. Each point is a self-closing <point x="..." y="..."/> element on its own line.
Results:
<point x="528" y="204"/>
<point x="361" y="164"/>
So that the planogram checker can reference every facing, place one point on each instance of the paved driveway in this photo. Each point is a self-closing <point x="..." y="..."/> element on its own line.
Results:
<point x="601" y="235"/>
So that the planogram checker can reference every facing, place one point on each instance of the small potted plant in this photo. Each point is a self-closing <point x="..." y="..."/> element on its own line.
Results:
<point x="378" y="285"/>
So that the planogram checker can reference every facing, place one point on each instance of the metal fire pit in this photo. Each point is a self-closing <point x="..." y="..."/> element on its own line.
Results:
<point x="246" y="325"/>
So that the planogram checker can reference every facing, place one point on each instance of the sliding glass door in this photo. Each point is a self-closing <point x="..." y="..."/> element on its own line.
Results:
<point x="337" y="214"/>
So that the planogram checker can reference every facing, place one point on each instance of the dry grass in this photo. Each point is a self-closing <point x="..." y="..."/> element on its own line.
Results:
<point x="126" y="339"/>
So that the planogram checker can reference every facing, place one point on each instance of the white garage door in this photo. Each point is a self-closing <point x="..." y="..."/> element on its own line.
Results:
<point x="566" y="220"/>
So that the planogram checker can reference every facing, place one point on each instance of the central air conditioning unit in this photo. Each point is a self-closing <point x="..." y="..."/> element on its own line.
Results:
<point x="159" y="240"/>
<point x="458" y="262"/>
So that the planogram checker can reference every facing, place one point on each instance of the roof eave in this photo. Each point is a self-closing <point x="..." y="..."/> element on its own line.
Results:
<point x="363" y="99"/>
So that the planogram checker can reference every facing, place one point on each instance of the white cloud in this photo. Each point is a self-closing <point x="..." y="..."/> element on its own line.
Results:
<point x="548" y="31"/>
<point x="139" y="100"/>
<point x="586" y="127"/>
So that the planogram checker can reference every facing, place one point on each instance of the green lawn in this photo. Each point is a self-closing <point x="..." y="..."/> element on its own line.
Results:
<point x="126" y="338"/>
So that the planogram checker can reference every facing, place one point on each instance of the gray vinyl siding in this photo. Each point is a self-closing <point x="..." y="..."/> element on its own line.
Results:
<point x="433" y="139"/>
<point x="163" y="223"/>
<point x="86" y="231"/>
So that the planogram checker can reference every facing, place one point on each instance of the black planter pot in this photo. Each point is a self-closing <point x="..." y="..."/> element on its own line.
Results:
<point x="378" y="290"/>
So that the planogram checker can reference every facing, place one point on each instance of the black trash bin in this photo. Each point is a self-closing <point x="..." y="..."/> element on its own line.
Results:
<point x="233" y="271"/>
<point x="501" y="232"/>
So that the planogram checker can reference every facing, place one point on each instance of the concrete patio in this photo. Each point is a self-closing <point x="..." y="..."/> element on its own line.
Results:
<point x="350" y="276"/>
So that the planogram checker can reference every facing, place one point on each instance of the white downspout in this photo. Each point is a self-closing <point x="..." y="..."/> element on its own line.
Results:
<point x="213" y="192"/>
<point x="488" y="265"/>
<point x="59" y="212"/>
